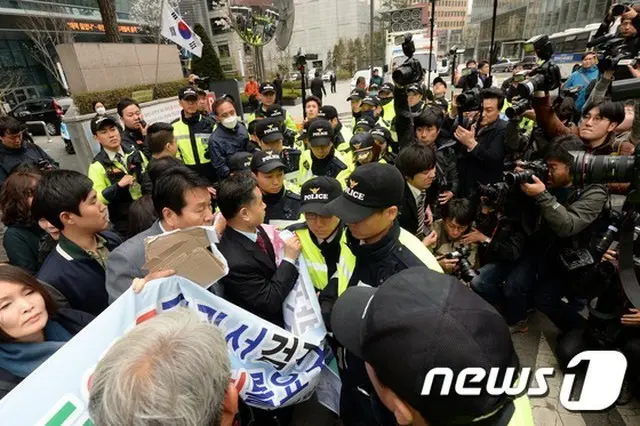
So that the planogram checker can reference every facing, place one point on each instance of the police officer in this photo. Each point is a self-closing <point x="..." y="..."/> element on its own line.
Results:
<point x="116" y="171"/>
<point x="268" y="98"/>
<point x="386" y="100"/>
<point x="416" y="98"/>
<point x="371" y="107"/>
<point x="369" y="208"/>
<point x="382" y="136"/>
<point x="356" y="97"/>
<point x="192" y="132"/>
<point x="439" y="90"/>
<point x="321" y="159"/>
<point x="282" y="204"/>
<point x="364" y="150"/>
<point x="270" y="138"/>
<point x="324" y="243"/>
<point x="341" y="134"/>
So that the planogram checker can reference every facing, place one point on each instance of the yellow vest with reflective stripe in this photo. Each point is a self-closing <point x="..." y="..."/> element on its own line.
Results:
<point x="389" y="111"/>
<point x="318" y="266"/>
<point x="305" y="173"/>
<point x="182" y="133"/>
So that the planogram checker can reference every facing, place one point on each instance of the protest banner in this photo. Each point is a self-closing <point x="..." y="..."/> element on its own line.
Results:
<point x="272" y="367"/>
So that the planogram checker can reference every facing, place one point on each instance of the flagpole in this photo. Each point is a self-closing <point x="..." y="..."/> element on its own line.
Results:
<point x="159" y="37"/>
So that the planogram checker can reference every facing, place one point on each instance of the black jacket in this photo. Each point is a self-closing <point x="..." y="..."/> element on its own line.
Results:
<point x="507" y="238"/>
<point x="73" y="321"/>
<point x="330" y="166"/>
<point x="282" y="206"/>
<point x="81" y="281"/>
<point x="317" y="87"/>
<point x="134" y="139"/>
<point x="254" y="283"/>
<point x="408" y="214"/>
<point x="223" y="143"/>
<point x="29" y="153"/>
<point x="447" y="174"/>
<point x="485" y="162"/>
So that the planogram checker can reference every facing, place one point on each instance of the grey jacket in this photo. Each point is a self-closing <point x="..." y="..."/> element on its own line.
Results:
<point x="125" y="263"/>
<point x="569" y="221"/>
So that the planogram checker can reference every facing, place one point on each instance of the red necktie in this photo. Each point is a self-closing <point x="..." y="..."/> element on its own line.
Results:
<point x="260" y="242"/>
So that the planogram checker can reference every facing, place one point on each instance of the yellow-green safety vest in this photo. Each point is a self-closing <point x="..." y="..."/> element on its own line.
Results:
<point x="182" y="133"/>
<point x="305" y="173"/>
<point x="98" y="175"/>
<point x="318" y="266"/>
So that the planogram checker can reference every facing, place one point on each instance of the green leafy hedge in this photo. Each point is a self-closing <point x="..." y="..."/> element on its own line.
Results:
<point x="110" y="98"/>
<point x="292" y="85"/>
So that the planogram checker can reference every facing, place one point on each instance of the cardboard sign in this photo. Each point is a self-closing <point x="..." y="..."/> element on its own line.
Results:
<point x="191" y="253"/>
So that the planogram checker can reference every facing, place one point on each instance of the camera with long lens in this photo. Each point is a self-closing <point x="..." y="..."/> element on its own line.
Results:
<point x="536" y="168"/>
<point x="493" y="194"/>
<point x="410" y="71"/>
<point x="464" y="271"/>
<point x="545" y="76"/>
<point x="517" y="108"/>
<point x="471" y="97"/>
<point x="625" y="89"/>
<point x="588" y="169"/>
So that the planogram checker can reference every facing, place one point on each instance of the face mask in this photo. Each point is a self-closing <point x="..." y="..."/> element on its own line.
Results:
<point x="230" y="122"/>
<point x="101" y="110"/>
<point x="368" y="114"/>
<point x="373" y="93"/>
<point x="385" y="101"/>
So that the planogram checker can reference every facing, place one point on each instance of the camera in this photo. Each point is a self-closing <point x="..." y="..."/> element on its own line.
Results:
<point x="625" y="89"/>
<point x="536" y="168"/>
<point x="588" y="169"/>
<point x="289" y="136"/>
<point x="543" y="77"/>
<point x="471" y="97"/>
<point x="410" y="71"/>
<point x="518" y="108"/>
<point x="493" y="194"/>
<point x="44" y="165"/>
<point x="134" y="165"/>
<point x="464" y="270"/>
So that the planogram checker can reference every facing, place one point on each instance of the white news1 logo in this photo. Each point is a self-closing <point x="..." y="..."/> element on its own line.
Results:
<point x="600" y="390"/>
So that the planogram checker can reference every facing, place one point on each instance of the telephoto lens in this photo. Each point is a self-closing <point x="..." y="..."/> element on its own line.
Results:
<point x="517" y="108"/>
<point x="530" y="85"/>
<point x="588" y="169"/>
<point x="518" y="178"/>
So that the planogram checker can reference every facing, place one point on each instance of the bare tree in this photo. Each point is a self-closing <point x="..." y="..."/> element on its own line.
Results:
<point x="9" y="80"/>
<point x="146" y="13"/>
<point x="109" y="20"/>
<point x="45" y="34"/>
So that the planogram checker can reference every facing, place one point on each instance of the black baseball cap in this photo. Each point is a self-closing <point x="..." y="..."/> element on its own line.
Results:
<point x="429" y="320"/>
<point x="382" y="134"/>
<point x="387" y="87"/>
<point x="414" y="88"/>
<point x="187" y="92"/>
<point x="362" y="141"/>
<point x="239" y="161"/>
<point x="374" y="86"/>
<point x="316" y="193"/>
<point x="371" y="100"/>
<point x="266" y="161"/>
<point x="439" y="80"/>
<point x="320" y="132"/>
<point x="365" y="123"/>
<point x="357" y="94"/>
<point x="328" y="111"/>
<point x="370" y="188"/>
<point x="304" y="132"/>
<point x="268" y="130"/>
<point x="100" y="121"/>
<point x="275" y="111"/>
<point x="267" y="87"/>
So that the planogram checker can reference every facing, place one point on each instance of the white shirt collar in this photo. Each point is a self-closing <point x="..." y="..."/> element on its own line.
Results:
<point x="331" y="237"/>
<point x="164" y="231"/>
<point x="253" y="236"/>
<point x="112" y="155"/>
<point x="415" y="191"/>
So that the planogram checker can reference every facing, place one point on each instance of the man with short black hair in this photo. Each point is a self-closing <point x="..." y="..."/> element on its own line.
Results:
<point x="192" y="131"/>
<point x="341" y="134"/>
<point x="317" y="86"/>
<point x="161" y="141"/>
<point x="76" y="268"/>
<point x="457" y="217"/>
<point x="483" y="145"/>
<point x="355" y="97"/>
<point x="439" y="90"/>
<point x="117" y="171"/>
<point x="135" y="128"/>
<point x="418" y="321"/>
<point x="417" y="163"/>
<point x="268" y="98"/>
<point x="282" y="204"/>
<point x="182" y="200"/>
<point x="15" y="150"/>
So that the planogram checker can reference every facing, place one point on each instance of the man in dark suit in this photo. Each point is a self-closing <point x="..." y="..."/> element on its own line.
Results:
<point x="317" y="86"/>
<point x="181" y="199"/>
<point x="255" y="282"/>
<point x="417" y="163"/>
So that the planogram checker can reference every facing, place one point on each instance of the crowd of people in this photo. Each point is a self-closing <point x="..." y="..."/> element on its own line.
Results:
<point x="430" y="234"/>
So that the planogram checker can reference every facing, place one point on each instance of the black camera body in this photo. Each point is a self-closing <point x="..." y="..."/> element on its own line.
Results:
<point x="289" y="136"/>
<point x="464" y="270"/>
<point x="545" y="76"/>
<point x="536" y="168"/>
<point x="410" y="71"/>
<point x="493" y="194"/>
<point x="471" y="97"/>
<point x="135" y="165"/>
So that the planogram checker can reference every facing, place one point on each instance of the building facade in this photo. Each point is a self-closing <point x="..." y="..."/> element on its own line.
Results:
<point x="24" y="21"/>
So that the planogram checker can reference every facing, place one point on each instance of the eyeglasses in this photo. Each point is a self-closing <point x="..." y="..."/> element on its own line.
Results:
<point x="596" y="119"/>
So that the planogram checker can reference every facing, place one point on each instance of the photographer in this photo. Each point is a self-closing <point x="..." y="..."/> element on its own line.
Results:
<point x="582" y="77"/>
<point x="567" y="214"/>
<point x="457" y="217"/>
<point x="485" y="147"/>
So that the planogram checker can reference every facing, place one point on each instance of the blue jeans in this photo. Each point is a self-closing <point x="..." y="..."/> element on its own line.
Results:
<point x="551" y="288"/>
<point x="489" y="282"/>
